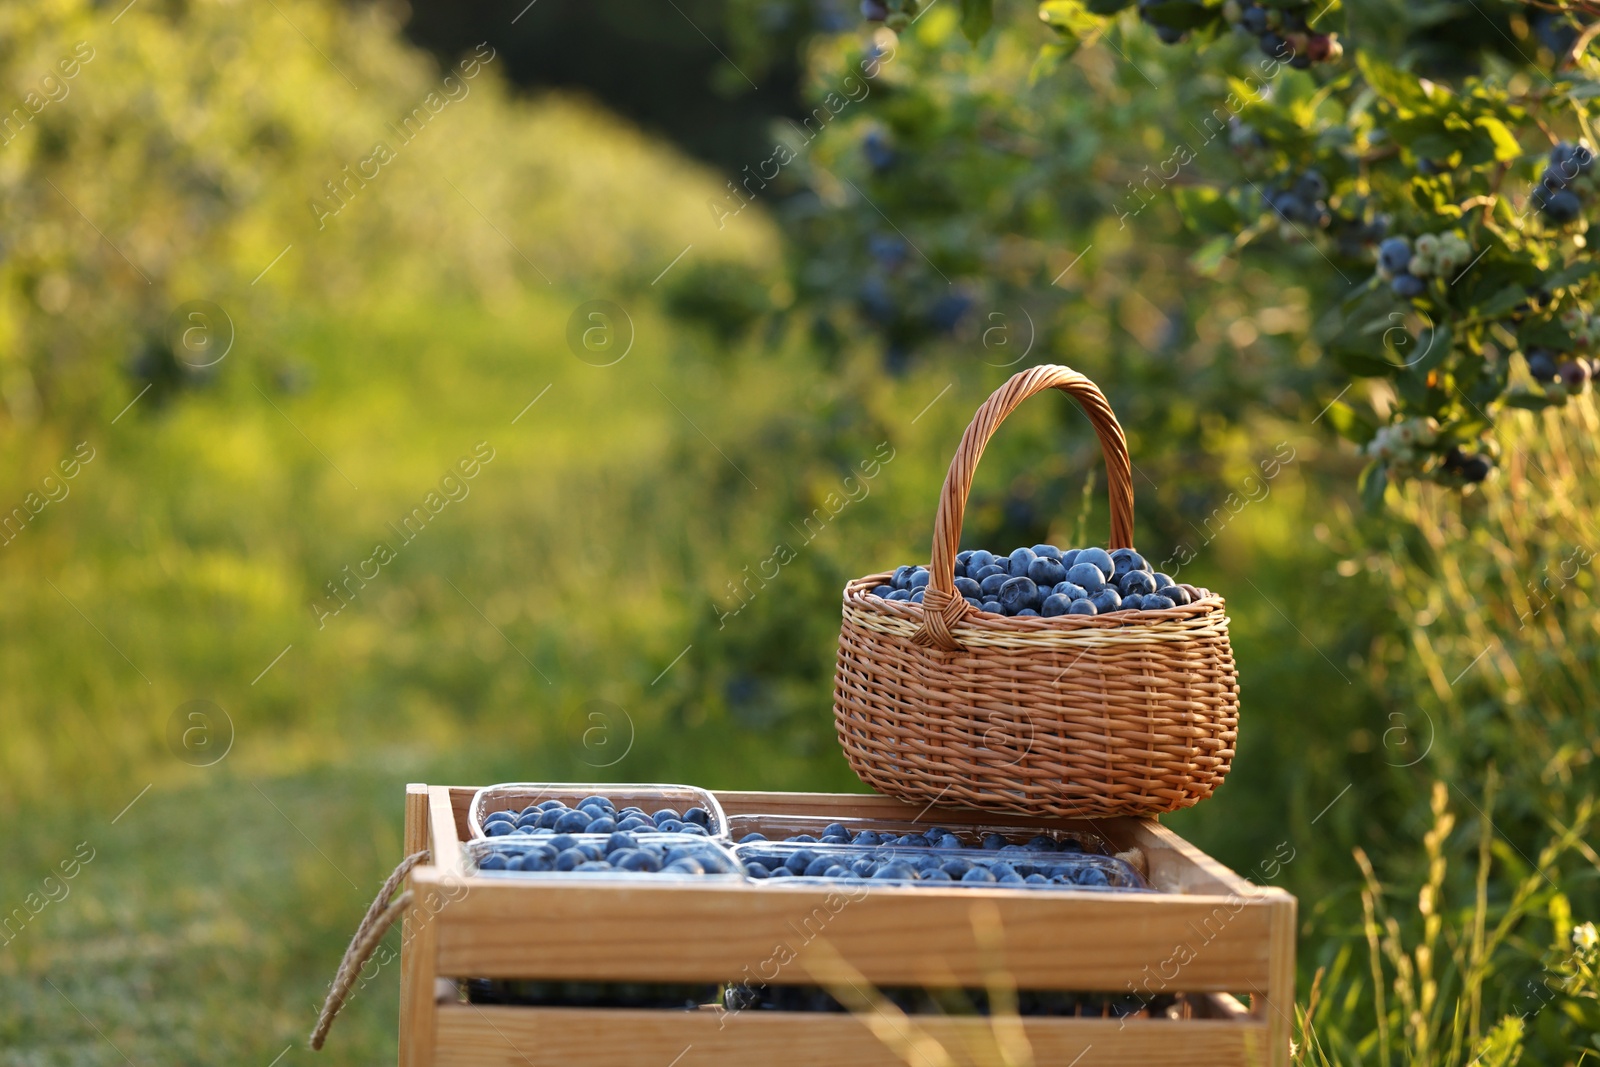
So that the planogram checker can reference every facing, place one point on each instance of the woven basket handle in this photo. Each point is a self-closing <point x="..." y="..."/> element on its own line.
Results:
<point x="941" y="607"/>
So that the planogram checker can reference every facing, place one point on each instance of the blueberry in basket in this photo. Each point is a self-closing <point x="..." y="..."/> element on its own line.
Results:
<point x="1047" y="581"/>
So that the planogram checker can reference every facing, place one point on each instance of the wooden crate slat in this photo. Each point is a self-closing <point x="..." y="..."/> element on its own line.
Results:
<point x="498" y="928"/>
<point x="494" y="1036"/>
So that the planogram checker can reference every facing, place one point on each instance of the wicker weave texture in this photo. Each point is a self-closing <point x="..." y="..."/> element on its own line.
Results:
<point x="1131" y="713"/>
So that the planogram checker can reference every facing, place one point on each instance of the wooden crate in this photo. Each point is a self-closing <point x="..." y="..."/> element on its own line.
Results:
<point x="1208" y="933"/>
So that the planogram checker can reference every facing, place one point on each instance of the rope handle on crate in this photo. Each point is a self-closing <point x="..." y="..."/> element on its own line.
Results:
<point x="379" y="918"/>
<point x="941" y="607"/>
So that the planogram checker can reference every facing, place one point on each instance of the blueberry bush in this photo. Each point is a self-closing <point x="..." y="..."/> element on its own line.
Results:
<point x="1423" y="173"/>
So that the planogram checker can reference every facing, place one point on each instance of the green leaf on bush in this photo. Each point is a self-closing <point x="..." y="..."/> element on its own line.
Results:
<point x="1505" y="143"/>
<point x="1350" y="424"/>
<point x="1435" y="346"/>
<point x="1210" y="255"/>
<point x="1069" y="19"/>
<point x="1362" y="363"/>
<point x="1206" y="210"/>
<point x="1573" y="274"/>
<point x="1543" y="333"/>
<point x="1503" y="301"/>
<point x="1050" y="57"/>
<point x="1374" y="480"/>
<point x="1399" y="88"/>
<point x="976" y="18"/>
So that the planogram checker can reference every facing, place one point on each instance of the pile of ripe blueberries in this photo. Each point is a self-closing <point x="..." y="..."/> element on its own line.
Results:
<point x="595" y="815"/>
<point x="934" y="837"/>
<point x="933" y="856"/>
<point x="1045" y="580"/>
<point x="620" y="851"/>
<point x="629" y="842"/>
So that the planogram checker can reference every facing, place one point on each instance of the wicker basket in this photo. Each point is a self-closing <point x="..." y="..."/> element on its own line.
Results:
<point x="1130" y="713"/>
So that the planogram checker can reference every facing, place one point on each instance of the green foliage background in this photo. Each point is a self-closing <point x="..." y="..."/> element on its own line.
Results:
<point x="595" y="557"/>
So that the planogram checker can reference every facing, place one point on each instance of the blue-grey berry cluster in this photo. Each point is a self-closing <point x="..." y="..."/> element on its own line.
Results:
<point x="1283" y="31"/>
<point x="619" y="852"/>
<point x="933" y="837"/>
<point x="1045" y="580"/>
<point x="1407" y="267"/>
<point x="1567" y="181"/>
<point x="594" y="815"/>
<point x="1024" y="868"/>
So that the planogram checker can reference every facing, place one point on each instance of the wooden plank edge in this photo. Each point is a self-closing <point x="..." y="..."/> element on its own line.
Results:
<point x="471" y="1035"/>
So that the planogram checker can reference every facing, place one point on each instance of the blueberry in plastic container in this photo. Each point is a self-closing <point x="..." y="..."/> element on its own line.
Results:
<point x="638" y="860"/>
<point x="895" y="870"/>
<point x="799" y="860"/>
<point x="817" y="867"/>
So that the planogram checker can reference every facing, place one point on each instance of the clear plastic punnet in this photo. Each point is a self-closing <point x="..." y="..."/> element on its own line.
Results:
<point x="799" y="862"/>
<point x="614" y="857"/>
<point x="889" y="832"/>
<point x="517" y="799"/>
